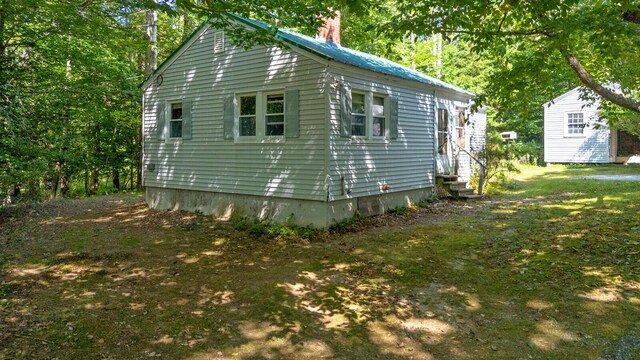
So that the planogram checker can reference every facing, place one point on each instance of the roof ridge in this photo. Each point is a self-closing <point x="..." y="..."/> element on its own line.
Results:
<point x="337" y="52"/>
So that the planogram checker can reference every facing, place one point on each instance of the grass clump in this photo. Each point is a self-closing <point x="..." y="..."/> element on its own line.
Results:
<point x="267" y="229"/>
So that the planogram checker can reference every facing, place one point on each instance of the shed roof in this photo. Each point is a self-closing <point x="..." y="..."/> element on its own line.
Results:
<point x="562" y="96"/>
<point x="332" y="51"/>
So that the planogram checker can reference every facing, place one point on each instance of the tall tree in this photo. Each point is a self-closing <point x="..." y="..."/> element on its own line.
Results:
<point x="596" y="41"/>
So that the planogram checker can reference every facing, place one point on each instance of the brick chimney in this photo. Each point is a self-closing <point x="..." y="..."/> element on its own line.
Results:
<point x="330" y="31"/>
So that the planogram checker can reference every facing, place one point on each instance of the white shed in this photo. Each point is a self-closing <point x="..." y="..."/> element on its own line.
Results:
<point x="575" y="133"/>
<point x="311" y="133"/>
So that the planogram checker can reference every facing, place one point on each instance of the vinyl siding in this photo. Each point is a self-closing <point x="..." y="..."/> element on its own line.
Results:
<point x="477" y="130"/>
<point x="592" y="147"/>
<point x="294" y="168"/>
<point x="477" y="135"/>
<point x="405" y="163"/>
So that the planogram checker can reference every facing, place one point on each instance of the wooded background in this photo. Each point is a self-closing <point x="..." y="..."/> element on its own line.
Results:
<point x="70" y="70"/>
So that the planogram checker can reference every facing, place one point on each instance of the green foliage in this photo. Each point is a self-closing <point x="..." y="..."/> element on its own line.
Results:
<point x="273" y="230"/>
<point x="529" y="42"/>
<point x="499" y="163"/>
<point x="68" y="79"/>
<point x="527" y="152"/>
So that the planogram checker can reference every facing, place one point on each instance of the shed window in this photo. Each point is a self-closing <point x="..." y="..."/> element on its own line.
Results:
<point x="175" y="121"/>
<point x="358" y="115"/>
<point x="247" y="115"/>
<point x="575" y="124"/>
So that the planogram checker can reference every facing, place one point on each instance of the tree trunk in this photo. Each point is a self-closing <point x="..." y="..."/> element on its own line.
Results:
<point x="481" y="180"/>
<point x="56" y="180"/>
<point x="64" y="186"/>
<point x="116" y="180"/>
<point x="54" y="187"/>
<point x="3" y="16"/>
<point x="152" y="37"/>
<point x="592" y="84"/>
<point x="15" y="194"/>
<point x="87" y="192"/>
<point x="139" y="176"/>
<point x="95" y="181"/>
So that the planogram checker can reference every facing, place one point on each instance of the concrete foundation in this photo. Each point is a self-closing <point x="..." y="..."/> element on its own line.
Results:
<point x="283" y="210"/>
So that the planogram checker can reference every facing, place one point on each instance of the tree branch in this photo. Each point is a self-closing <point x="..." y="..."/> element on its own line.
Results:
<point x="592" y="84"/>
<point x="502" y="33"/>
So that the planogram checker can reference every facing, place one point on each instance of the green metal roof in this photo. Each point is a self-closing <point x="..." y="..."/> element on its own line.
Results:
<point x="332" y="51"/>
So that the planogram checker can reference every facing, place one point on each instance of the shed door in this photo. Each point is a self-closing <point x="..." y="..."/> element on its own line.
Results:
<point x="628" y="145"/>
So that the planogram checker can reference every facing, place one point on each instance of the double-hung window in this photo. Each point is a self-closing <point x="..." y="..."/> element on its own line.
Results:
<point x="368" y="115"/>
<point x="261" y="114"/>
<point x="247" y="120"/>
<point x="379" y="116"/>
<point x="575" y="124"/>
<point x="175" y="120"/>
<point x="443" y="131"/>
<point x="358" y="115"/>
<point x="274" y="124"/>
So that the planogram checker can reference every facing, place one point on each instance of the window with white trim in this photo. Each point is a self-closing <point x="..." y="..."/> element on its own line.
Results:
<point x="175" y="119"/>
<point x="247" y="118"/>
<point x="443" y="131"/>
<point x="379" y="116"/>
<point x="274" y="124"/>
<point x="261" y="114"/>
<point x="358" y="114"/>
<point x="369" y="115"/>
<point x="575" y="124"/>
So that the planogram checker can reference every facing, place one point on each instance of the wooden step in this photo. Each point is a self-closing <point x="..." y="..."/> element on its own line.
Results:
<point x="448" y="177"/>
<point x="470" y="197"/>
<point x="455" y="183"/>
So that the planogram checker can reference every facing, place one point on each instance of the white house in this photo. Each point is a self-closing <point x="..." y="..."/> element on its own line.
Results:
<point x="310" y="133"/>
<point x="574" y="133"/>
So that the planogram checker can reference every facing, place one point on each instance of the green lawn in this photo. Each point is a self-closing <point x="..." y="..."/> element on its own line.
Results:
<point x="548" y="270"/>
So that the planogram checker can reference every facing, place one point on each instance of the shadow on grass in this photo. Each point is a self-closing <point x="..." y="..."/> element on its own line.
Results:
<point x="557" y="276"/>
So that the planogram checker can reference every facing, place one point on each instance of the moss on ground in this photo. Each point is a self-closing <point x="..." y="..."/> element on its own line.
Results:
<point x="549" y="269"/>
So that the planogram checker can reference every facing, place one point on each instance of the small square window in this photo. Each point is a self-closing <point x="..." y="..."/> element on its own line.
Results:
<point x="175" y="122"/>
